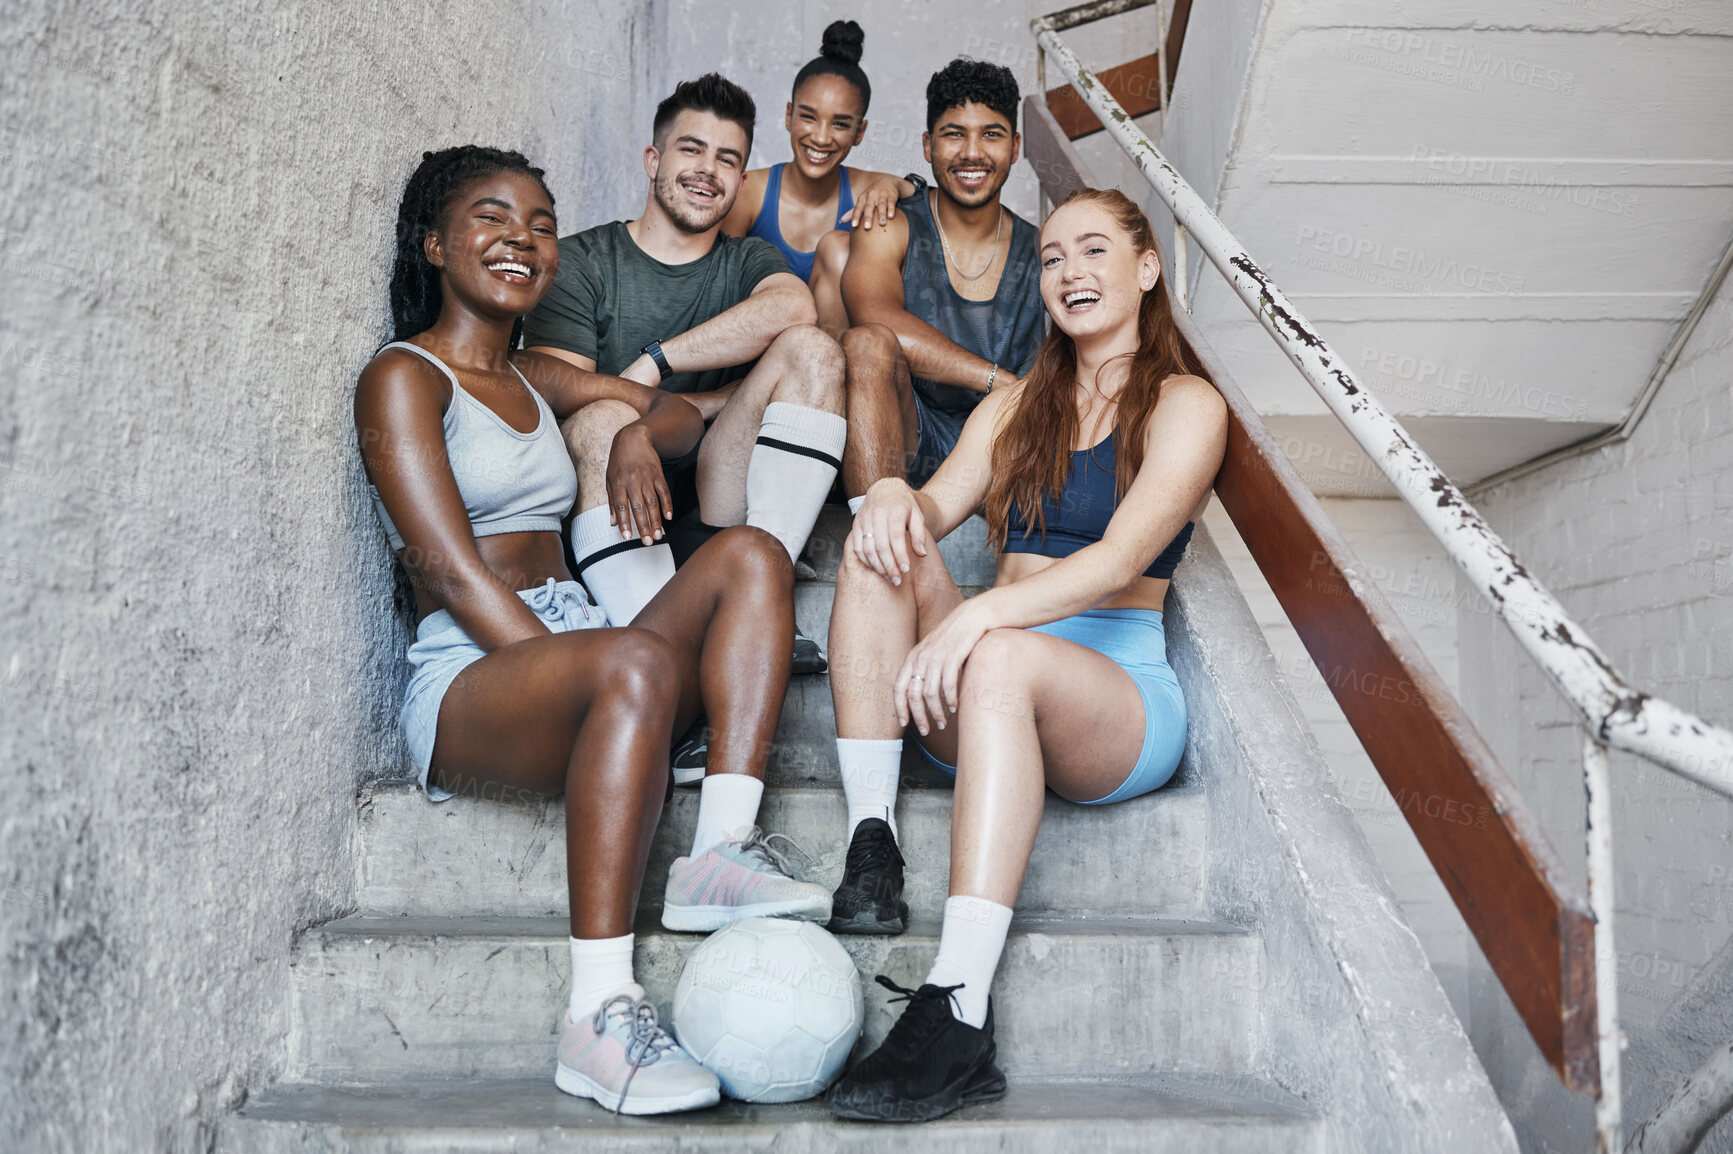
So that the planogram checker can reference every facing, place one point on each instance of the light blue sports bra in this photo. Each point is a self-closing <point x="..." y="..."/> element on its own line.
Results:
<point x="511" y="482"/>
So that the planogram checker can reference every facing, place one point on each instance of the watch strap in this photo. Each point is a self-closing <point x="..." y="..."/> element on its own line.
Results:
<point x="653" y="350"/>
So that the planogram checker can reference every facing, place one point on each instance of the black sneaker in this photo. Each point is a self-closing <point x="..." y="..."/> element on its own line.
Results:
<point x="870" y="898"/>
<point x="929" y="1065"/>
<point x="692" y="754"/>
<point x="807" y="657"/>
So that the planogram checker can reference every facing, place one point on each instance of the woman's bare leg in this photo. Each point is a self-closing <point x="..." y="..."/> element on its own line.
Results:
<point x="873" y="625"/>
<point x="588" y="713"/>
<point x="1034" y="711"/>
<point x="827" y="266"/>
<point x="729" y="616"/>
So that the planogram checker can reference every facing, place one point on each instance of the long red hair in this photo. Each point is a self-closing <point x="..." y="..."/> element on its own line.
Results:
<point x="1032" y="445"/>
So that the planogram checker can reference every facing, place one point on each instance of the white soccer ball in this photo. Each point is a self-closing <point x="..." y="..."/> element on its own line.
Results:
<point x="771" y="1006"/>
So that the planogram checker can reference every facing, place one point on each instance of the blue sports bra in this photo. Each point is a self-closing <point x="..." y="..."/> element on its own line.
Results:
<point x="511" y="482"/>
<point x="768" y="226"/>
<point x="1080" y="516"/>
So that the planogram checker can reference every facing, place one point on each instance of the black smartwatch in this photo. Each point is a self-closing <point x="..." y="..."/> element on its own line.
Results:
<point x="916" y="179"/>
<point x="653" y="350"/>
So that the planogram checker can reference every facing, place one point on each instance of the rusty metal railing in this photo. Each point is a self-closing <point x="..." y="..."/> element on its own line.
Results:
<point x="1610" y="710"/>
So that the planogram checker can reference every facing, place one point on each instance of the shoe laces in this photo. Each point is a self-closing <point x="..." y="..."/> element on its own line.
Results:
<point x="646" y="1041"/>
<point x="930" y="1009"/>
<point x="870" y="850"/>
<point x="758" y="846"/>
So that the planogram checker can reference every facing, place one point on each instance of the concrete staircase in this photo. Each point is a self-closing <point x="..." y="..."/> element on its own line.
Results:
<point x="1217" y="966"/>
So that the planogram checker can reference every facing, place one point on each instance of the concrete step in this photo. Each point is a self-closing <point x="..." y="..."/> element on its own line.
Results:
<point x="383" y="999"/>
<point x="1169" y="1114"/>
<point x="1144" y="857"/>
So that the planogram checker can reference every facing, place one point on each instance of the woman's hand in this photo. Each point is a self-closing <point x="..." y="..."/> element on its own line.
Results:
<point x="888" y="527"/>
<point x="926" y="687"/>
<point x="877" y="203"/>
<point x="638" y="497"/>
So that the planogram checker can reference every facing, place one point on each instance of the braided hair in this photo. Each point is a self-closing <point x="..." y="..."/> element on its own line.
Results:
<point x="442" y="175"/>
<point x="839" y="55"/>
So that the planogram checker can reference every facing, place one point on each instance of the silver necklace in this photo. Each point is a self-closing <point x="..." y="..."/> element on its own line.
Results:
<point x="945" y="244"/>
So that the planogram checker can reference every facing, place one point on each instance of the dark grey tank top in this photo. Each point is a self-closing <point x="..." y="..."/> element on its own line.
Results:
<point x="1006" y="330"/>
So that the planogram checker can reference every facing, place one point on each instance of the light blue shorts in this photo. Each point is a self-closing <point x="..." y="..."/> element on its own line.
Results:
<point x="1134" y="640"/>
<point x="442" y="650"/>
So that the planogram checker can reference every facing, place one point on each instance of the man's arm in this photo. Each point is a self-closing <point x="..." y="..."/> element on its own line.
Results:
<point x="568" y="382"/>
<point x="736" y="335"/>
<point x="872" y="288"/>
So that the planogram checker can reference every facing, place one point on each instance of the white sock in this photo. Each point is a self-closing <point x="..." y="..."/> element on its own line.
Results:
<point x="621" y="575"/>
<point x="854" y="504"/>
<point x="726" y="802"/>
<point x="870" y="771"/>
<point x="601" y="968"/>
<point x="969" y="949"/>
<point x="788" y="476"/>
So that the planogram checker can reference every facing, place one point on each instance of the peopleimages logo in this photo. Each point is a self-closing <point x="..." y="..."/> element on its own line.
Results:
<point x="1450" y="61"/>
<point x="1508" y="182"/>
<point x="1397" y="266"/>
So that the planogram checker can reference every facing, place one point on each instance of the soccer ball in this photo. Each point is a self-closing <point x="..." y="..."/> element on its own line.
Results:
<point x="771" y="1006"/>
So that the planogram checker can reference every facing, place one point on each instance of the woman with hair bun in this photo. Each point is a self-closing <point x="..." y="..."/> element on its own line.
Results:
<point x="796" y="205"/>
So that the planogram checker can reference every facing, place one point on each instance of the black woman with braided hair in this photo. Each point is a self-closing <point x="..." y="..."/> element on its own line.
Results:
<point x="518" y="687"/>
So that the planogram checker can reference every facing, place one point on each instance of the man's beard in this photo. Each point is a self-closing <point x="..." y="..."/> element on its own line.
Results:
<point x="685" y="216"/>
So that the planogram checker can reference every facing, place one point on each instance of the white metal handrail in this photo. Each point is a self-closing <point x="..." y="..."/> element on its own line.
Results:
<point x="1610" y="710"/>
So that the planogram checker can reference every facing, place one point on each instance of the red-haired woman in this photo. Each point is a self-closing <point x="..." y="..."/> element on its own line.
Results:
<point x="1090" y="472"/>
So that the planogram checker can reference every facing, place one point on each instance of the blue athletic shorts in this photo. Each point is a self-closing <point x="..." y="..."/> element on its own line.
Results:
<point x="1135" y="641"/>
<point x="442" y="650"/>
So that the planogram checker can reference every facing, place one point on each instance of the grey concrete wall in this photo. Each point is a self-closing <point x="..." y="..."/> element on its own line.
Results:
<point x="1637" y="542"/>
<point x="200" y="653"/>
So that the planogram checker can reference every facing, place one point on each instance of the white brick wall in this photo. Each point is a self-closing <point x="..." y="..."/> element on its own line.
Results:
<point x="1637" y="541"/>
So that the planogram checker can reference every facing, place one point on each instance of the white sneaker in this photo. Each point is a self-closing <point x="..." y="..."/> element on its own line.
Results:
<point x="739" y="878"/>
<point x="621" y="1057"/>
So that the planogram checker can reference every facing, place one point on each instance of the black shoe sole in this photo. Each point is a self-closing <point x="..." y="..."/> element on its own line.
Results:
<point x="987" y="1085"/>
<point x="868" y="922"/>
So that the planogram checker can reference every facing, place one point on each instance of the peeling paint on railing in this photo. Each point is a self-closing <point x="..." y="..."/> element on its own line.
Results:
<point x="1613" y="711"/>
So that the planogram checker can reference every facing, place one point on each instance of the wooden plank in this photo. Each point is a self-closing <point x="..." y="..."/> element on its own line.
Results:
<point x="1054" y="158"/>
<point x="1536" y="931"/>
<point x="1136" y="84"/>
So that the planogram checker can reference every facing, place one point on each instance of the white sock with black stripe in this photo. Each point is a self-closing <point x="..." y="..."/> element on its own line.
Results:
<point x="798" y="453"/>
<point x="621" y="575"/>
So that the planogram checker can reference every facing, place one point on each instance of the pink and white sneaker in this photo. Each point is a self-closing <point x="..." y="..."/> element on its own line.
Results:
<point x="621" y="1057"/>
<point x="739" y="878"/>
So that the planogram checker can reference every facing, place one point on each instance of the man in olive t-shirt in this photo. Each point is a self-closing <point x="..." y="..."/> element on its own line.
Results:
<point x="666" y="300"/>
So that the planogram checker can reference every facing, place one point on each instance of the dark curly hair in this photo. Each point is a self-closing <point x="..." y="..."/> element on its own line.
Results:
<point x="713" y="93"/>
<point x="966" y="81"/>
<point x="442" y="175"/>
<point x="839" y="55"/>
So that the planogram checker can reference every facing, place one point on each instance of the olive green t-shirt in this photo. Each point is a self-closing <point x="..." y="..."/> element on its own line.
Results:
<point x="611" y="298"/>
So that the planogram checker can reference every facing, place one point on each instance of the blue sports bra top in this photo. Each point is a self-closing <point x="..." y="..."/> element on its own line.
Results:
<point x="768" y="226"/>
<point x="1080" y="516"/>
<point x="511" y="482"/>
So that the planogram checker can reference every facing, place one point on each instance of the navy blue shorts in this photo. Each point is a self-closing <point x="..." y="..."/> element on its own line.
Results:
<point x="938" y="430"/>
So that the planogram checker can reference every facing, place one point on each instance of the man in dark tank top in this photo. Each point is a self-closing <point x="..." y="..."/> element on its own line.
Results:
<point x="944" y="299"/>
